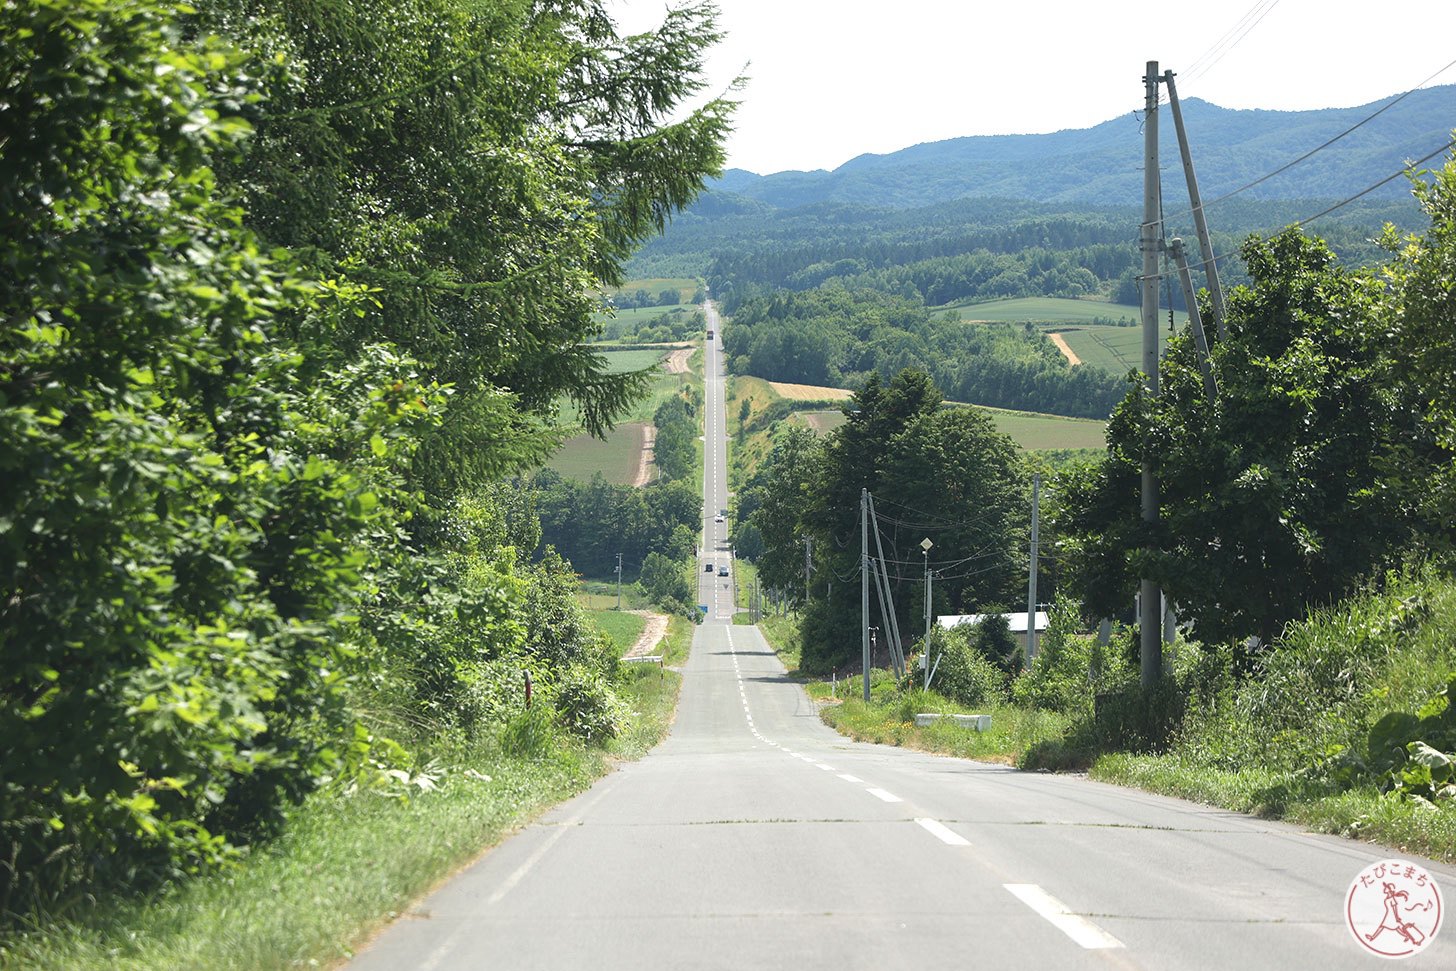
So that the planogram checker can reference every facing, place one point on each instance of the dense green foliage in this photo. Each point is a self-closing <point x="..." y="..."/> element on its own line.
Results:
<point x="837" y="337"/>
<point x="287" y="287"/>
<point x="591" y="522"/>
<point x="944" y="473"/>
<point x="1306" y="475"/>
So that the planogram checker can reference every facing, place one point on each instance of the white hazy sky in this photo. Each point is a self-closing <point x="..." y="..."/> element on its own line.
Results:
<point x="832" y="79"/>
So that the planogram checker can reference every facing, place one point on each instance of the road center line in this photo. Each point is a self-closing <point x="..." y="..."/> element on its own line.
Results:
<point x="1078" y="928"/>
<point x="882" y="794"/>
<point x="941" y="832"/>
<point x="850" y="778"/>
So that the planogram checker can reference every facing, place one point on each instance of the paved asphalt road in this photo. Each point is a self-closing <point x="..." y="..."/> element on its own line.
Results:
<point x="755" y="837"/>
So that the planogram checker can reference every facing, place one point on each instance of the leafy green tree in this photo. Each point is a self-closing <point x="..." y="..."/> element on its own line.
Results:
<point x="1420" y="274"/>
<point x="952" y="477"/>
<point x="1302" y="479"/>
<point x="179" y="546"/>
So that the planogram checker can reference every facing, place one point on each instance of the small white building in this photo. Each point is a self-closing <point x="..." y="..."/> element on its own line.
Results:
<point x="1016" y="622"/>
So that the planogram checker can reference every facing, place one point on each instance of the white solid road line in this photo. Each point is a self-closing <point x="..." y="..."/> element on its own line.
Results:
<point x="882" y="794"/>
<point x="942" y="833"/>
<point x="1079" y="929"/>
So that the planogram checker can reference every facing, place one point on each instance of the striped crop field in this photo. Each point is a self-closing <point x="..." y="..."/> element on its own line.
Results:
<point x="1031" y="430"/>
<point x="808" y="392"/>
<point x="1051" y="310"/>
<point x="617" y="459"/>
<point x="1115" y="349"/>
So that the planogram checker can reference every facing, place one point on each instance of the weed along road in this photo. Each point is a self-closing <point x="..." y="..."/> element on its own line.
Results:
<point x="756" y="837"/>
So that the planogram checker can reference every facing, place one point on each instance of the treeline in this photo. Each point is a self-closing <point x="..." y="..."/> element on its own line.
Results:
<point x="839" y="337"/>
<point x="287" y="292"/>
<point x="748" y="249"/>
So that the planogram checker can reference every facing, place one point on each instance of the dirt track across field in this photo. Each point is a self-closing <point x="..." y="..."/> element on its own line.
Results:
<point x="677" y="361"/>
<point x="1061" y="343"/>
<point x="651" y="635"/>
<point x="644" y="462"/>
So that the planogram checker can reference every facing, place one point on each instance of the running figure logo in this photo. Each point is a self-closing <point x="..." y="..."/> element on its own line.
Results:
<point x="1393" y="908"/>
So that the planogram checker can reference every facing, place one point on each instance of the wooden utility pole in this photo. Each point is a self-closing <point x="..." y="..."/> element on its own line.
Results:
<point x="1149" y="619"/>
<point x="1210" y="268"/>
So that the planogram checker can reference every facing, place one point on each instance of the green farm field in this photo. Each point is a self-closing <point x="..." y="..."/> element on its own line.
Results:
<point x="641" y="316"/>
<point x="617" y="459"/>
<point x="1030" y="430"/>
<point x="1115" y="349"/>
<point x="654" y="285"/>
<point x="1050" y="310"/>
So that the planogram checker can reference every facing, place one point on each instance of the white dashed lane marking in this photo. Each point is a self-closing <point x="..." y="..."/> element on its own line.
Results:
<point x="882" y="794"/>
<point x="941" y="832"/>
<point x="1078" y="928"/>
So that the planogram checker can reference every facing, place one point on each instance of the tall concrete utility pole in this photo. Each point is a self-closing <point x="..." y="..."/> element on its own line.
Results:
<point x="1031" y="575"/>
<point x="1149" y="616"/>
<point x="1195" y="320"/>
<point x="864" y="585"/>
<point x="619" y="581"/>
<point x="808" y="566"/>
<point x="925" y="545"/>
<point x="1210" y="267"/>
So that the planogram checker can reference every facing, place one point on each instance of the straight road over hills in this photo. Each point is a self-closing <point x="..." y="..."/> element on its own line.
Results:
<point x="756" y="837"/>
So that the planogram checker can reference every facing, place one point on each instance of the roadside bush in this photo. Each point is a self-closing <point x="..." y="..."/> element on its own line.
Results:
<point x="588" y="706"/>
<point x="964" y="674"/>
<point x="1060" y="678"/>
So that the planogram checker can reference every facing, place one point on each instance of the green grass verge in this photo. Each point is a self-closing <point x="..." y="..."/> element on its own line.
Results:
<point x="782" y="634"/>
<point x="889" y="719"/>
<point x="343" y="868"/>
<point x="623" y="628"/>
<point x="1361" y="813"/>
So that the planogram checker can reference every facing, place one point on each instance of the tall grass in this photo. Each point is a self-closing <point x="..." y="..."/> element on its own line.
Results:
<point x="344" y="865"/>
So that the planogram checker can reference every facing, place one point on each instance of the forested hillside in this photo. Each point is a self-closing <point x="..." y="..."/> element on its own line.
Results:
<point x="1102" y="165"/>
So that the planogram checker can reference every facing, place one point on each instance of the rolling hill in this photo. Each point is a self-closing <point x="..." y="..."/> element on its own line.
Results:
<point x="1102" y="165"/>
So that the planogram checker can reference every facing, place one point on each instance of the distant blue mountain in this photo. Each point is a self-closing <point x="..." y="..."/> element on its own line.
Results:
<point x="1102" y="165"/>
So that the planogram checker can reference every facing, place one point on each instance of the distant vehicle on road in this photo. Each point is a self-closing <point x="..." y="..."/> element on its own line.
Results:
<point x="718" y="519"/>
<point x="707" y="568"/>
<point x="710" y="335"/>
<point x="722" y="571"/>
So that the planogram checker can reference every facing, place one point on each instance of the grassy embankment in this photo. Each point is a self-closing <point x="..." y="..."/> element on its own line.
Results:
<point x="1292" y="741"/>
<point x="347" y="865"/>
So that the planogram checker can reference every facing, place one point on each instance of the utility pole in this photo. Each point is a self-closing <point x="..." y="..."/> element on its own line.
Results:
<point x="1031" y="575"/>
<point x="1210" y="268"/>
<point x="1149" y="621"/>
<point x="925" y="545"/>
<point x="1195" y="318"/>
<point x="864" y="585"/>
<point x="619" y="581"/>
<point x="808" y="567"/>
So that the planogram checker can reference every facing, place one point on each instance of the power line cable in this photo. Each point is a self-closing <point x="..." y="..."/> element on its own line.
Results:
<point x="1410" y="167"/>
<point x="1319" y="148"/>
<point x="1227" y="45"/>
